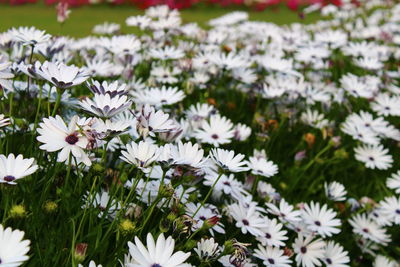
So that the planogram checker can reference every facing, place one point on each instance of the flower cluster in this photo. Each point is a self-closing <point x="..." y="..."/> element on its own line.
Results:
<point x="247" y="144"/>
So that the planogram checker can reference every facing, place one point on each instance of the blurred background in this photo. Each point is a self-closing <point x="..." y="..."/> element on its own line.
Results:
<point x="83" y="15"/>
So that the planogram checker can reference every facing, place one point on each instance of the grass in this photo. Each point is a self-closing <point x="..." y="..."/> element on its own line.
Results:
<point x="83" y="19"/>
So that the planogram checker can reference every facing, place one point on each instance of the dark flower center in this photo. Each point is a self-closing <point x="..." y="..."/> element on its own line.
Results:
<point x="398" y="211"/>
<point x="329" y="261"/>
<point x="156" y="265"/>
<point x="303" y="250"/>
<point x="245" y="222"/>
<point x="271" y="261"/>
<point x="9" y="178"/>
<point x="371" y="158"/>
<point x="72" y="139"/>
<point x="267" y="235"/>
<point x="214" y="136"/>
<point x="318" y="223"/>
<point x="202" y="218"/>
<point x="365" y="230"/>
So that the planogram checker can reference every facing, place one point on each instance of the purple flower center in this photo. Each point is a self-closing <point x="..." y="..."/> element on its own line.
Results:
<point x="271" y="261"/>
<point x="72" y="139"/>
<point x="245" y="222"/>
<point x="329" y="261"/>
<point x="303" y="250"/>
<point x="267" y="235"/>
<point x="318" y="223"/>
<point x="156" y="265"/>
<point x="214" y="136"/>
<point x="9" y="178"/>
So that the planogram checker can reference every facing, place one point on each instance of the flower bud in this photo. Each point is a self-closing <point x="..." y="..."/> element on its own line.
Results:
<point x="97" y="167"/>
<point x="80" y="252"/>
<point x="310" y="139"/>
<point x="164" y="225"/>
<point x="50" y="206"/>
<point x="211" y="222"/>
<point x="341" y="154"/>
<point x="17" y="211"/>
<point x="126" y="226"/>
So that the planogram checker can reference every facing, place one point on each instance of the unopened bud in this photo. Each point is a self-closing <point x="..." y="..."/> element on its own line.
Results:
<point x="50" y="206"/>
<point x="17" y="211"/>
<point x="126" y="226"/>
<point x="80" y="252"/>
<point x="211" y="222"/>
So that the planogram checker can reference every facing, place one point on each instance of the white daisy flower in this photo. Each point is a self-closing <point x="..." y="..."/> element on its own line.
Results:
<point x="320" y="219"/>
<point x="55" y="136"/>
<point x="335" y="255"/>
<point x="314" y="119"/>
<point x="241" y="132"/>
<point x="262" y="166"/>
<point x="112" y="89"/>
<point x="207" y="249"/>
<point x="106" y="106"/>
<point x="165" y="53"/>
<point x="4" y="121"/>
<point x="393" y="182"/>
<point x="335" y="191"/>
<point x="227" y="185"/>
<point x="61" y="75"/>
<point x="13" y="168"/>
<point x="273" y="235"/>
<point x="150" y="121"/>
<point x="390" y="207"/>
<point x="106" y="28"/>
<point x="141" y="155"/>
<point x="284" y="211"/>
<point x="158" y="96"/>
<point x="381" y="260"/>
<point x="91" y="264"/>
<point x="272" y="256"/>
<point x="217" y="131"/>
<point x="188" y="154"/>
<point x="367" y="228"/>
<point x="157" y="254"/>
<point x="5" y="76"/>
<point x="13" y="250"/>
<point x="29" y="35"/>
<point x="309" y="252"/>
<point x="374" y="157"/>
<point x="386" y="105"/>
<point x="227" y="160"/>
<point x="248" y="219"/>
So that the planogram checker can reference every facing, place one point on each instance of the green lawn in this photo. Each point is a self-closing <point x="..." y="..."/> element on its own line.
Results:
<point x="83" y="19"/>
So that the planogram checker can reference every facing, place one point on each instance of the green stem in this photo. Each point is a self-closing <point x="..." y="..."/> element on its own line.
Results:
<point x="208" y="195"/>
<point x="58" y="100"/>
<point x="30" y="62"/>
<point x="11" y="104"/>
<point x="38" y="108"/>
